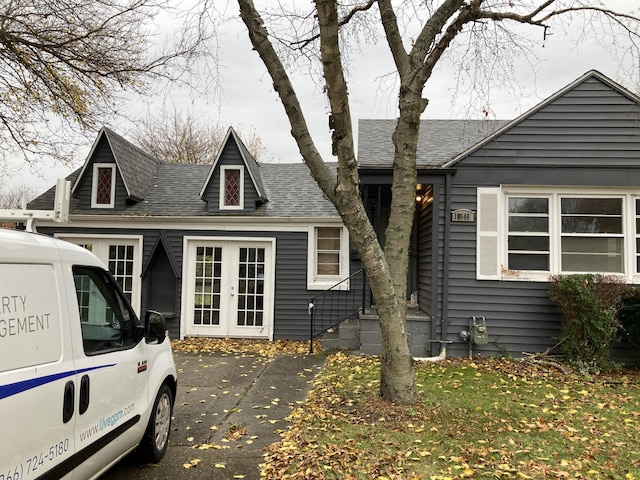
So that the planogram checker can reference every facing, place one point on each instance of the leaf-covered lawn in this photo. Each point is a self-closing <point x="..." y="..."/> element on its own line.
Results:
<point x="241" y="346"/>
<point x="489" y="418"/>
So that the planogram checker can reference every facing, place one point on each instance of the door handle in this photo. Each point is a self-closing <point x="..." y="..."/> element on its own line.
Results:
<point x="84" y="394"/>
<point x="69" y="402"/>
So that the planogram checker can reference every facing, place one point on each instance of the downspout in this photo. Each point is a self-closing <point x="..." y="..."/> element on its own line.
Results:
<point x="445" y="267"/>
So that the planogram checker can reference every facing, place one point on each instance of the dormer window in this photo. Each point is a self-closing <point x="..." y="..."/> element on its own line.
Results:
<point x="103" y="185"/>
<point x="232" y="187"/>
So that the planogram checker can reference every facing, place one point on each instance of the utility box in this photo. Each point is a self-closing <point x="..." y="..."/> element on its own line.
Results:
<point x="479" y="334"/>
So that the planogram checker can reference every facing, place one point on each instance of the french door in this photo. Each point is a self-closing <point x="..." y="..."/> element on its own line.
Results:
<point x="122" y="257"/>
<point x="229" y="288"/>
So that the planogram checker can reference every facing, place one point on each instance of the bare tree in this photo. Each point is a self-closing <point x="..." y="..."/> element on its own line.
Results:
<point x="174" y="136"/>
<point x="14" y="197"/>
<point x="65" y="65"/>
<point x="418" y="35"/>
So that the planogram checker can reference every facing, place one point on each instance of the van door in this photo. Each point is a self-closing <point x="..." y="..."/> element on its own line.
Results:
<point x="36" y="363"/>
<point x="112" y="373"/>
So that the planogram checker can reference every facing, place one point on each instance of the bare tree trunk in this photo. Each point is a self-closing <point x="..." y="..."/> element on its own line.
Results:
<point x="397" y="372"/>
<point x="397" y="376"/>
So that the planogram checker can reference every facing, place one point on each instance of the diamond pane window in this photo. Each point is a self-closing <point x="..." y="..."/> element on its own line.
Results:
<point x="231" y="188"/>
<point x="103" y="188"/>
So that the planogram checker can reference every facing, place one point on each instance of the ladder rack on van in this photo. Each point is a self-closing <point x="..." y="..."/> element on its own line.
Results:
<point x="60" y="212"/>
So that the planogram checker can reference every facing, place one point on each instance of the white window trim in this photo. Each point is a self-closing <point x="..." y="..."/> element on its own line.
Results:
<point x="103" y="255"/>
<point x="628" y="196"/>
<point x="223" y="170"/>
<point x="323" y="282"/>
<point x="94" y="185"/>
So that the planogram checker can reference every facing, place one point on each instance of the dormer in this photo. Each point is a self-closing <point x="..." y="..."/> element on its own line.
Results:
<point x="233" y="185"/>
<point x="115" y="175"/>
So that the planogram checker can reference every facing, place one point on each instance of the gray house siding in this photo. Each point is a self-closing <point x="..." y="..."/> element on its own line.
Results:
<point x="291" y="318"/>
<point x="519" y="315"/>
<point x="587" y="136"/>
<point x="425" y="256"/>
<point x="592" y="124"/>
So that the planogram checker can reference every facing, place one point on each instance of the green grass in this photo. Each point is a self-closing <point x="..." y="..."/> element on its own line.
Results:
<point x="488" y="419"/>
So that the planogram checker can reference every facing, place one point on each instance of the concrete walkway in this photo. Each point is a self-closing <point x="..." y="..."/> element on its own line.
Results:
<point x="232" y="405"/>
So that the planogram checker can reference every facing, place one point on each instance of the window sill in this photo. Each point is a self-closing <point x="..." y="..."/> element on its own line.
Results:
<point x="327" y="284"/>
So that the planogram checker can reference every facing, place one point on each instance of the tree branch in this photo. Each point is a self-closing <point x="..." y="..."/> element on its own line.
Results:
<point x="259" y="37"/>
<point x="347" y="18"/>
<point x="336" y="89"/>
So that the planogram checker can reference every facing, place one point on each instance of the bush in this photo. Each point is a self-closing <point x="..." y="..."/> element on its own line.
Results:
<point x="629" y="317"/>
<point x="588" y="305"/>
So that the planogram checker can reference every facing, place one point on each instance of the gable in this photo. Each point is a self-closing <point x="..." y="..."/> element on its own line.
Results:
<point x="591" y="122"/>
<point x="234" y="174"/>
<point x="83" y="189"/>
<point x="134" y="170"/>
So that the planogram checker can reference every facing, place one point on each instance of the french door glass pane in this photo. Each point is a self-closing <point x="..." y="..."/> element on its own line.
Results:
<point x="121" y="266"/>
<point x="250" y="286"/>
<point x="206" y="303"/>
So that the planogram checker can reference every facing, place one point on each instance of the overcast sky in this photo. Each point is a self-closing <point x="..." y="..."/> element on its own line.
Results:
<point x="247" y="98"/>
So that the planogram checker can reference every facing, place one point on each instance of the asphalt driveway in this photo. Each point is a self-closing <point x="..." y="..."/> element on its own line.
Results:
<point x="228" y="408"/>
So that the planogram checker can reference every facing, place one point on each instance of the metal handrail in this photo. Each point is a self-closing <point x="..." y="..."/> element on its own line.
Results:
<point x="343" y="304"/>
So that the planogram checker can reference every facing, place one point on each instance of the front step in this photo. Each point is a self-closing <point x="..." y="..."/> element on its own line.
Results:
<point x="345" y="336"/>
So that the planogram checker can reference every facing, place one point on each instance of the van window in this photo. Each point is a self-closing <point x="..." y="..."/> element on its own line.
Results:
<point x="107" y="321"/>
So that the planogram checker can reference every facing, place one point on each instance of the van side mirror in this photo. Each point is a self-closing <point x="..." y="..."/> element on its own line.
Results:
<point x="155" y="327"/>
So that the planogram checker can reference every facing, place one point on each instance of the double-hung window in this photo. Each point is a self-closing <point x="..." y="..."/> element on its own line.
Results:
<point x="592" y="236"/>
<point x="528" y="233"/>
<point x="328" y="257"/>
<point x="540" y="232"/>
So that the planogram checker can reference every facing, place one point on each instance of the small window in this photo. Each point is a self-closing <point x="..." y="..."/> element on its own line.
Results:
<point x="103" y="190"/>
<point x="328" y="251"/>
<point x="107" y="321"/>
<point x="231" y="188"/>
<point x="328" y="258"/>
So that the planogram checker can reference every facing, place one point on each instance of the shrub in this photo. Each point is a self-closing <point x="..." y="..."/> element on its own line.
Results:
<point x="588" y="305"/>
<point x="629" y="317"/>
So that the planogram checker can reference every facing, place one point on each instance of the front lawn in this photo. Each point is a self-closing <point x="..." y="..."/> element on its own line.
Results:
<point x="490" y="418"/>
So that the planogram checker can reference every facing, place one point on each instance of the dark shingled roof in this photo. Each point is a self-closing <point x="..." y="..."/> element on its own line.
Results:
<point x="439" y="141"/>
<point x="175" y="191"/>
<point x="136" y="166"/>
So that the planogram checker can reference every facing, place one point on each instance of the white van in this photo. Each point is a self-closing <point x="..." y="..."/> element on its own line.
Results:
<point x="82" y="384"/>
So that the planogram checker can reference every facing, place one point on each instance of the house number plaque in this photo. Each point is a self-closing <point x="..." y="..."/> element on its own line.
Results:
<point x="463" y="215"/>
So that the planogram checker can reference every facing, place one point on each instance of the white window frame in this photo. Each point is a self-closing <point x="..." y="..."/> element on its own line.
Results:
<point x="223" y="177"/>
<point x="94" y="185"/>
<point x="102" y="252"/>
<point x="629" y="234"/>
<point x="323" y="282"/>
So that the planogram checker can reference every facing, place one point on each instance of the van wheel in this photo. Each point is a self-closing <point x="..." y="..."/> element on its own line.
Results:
<point x="156" y="438"/>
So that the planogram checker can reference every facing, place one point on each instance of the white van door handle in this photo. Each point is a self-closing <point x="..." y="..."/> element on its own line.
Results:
<point x="69" y="402"/>
<point x="84" y="394"/>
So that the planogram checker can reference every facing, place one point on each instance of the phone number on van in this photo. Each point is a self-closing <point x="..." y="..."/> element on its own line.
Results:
<point x="37" y="462"/>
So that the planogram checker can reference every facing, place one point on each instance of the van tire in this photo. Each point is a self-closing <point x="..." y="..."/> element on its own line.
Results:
<point x="156" y="439"/>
